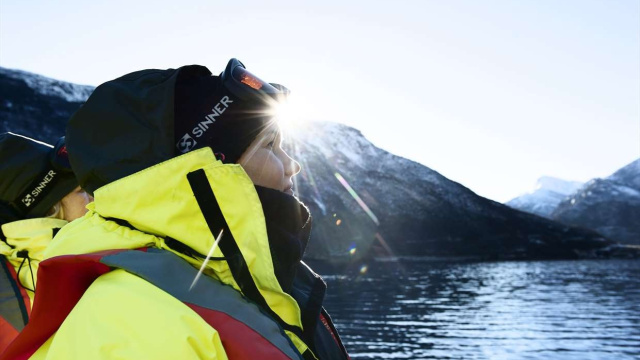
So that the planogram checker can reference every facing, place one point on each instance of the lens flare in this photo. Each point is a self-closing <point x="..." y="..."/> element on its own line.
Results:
<point x="384" y="244"/>
<point x="357" y="198"/>
<point x="363" y="269"/>
<point x="291" y="114"/>
<point x="307" y="175"/>
<point x="352" y="249"/>
<point x="204" y="263"/>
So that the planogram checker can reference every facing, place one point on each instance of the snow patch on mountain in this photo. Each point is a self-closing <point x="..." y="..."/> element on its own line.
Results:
<point x="347" y="152"/>
<point x="548" y="193"/>
<point x="559" y="186"/>
<point x="50" y="87"/>
<point x="597" y="191"/>
<point x="336" y="140"/>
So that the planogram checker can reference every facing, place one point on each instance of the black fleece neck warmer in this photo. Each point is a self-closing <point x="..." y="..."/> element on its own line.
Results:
<point x="288" y="228"/>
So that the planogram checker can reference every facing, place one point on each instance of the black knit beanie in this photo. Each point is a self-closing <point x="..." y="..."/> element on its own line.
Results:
<point x="34" y="176"/>
<point x="208" y="113"/>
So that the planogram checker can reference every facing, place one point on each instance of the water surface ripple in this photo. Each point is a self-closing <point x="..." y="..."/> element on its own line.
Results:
<point x="504" y="310"/>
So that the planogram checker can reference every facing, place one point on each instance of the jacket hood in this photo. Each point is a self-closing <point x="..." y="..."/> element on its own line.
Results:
<point x="149" y="116"/>
<point x="159" y="204"/>
<point x="126" y="125"/>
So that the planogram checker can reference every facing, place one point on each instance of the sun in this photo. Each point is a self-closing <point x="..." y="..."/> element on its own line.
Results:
<point x="291" y="114"/>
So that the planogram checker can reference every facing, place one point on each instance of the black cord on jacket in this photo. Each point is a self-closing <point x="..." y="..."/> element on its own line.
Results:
<point x="24" y="254"/>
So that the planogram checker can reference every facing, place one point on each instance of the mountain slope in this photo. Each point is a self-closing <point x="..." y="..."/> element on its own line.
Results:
<point x="628" y="175"/>
<point x="417" y="210"/>
<point x="610" y="206"/>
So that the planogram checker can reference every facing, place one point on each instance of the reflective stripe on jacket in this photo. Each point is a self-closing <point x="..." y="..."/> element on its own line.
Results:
<point x="122" y="316"/>
<point x="245" y="331"/>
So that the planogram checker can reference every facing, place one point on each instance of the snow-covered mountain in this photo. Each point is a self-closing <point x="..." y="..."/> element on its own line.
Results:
<point x="610" y="206"/>
<point x="548" y="193"/>
<point x="37" y="106"/>
<point x="49" y="87"/>
<point x="364" y="200"/>
<point x="404" y="208"/>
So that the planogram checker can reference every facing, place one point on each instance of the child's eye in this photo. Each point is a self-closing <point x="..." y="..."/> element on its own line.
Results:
<point x="271" y="144"/>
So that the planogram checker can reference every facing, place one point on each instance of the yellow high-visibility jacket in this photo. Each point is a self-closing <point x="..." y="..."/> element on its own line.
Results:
<point x="20" y="257"/>
<point x="30" y="238"/>
<point x="122" y="316"/>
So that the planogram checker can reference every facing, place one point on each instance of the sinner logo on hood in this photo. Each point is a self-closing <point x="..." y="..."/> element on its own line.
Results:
<point x="30" y="198"/>
<point x="188" y="142"/>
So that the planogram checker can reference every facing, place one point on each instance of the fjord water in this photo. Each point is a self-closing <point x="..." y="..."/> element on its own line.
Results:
<point x="417" y="309"/>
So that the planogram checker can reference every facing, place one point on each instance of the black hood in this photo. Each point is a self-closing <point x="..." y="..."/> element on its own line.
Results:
<point x="125" y="126"/>
<point x="150" y="116"/>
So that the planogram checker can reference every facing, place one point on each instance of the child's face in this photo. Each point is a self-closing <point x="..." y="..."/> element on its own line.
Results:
<point x="74" y="204"/>
<point x="268" y="165"/>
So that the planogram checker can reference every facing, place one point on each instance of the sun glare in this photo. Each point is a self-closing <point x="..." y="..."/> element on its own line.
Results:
<point x="290" y="114"/>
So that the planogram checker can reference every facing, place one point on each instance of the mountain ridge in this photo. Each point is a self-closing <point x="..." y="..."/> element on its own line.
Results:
<point x="421" y="205"/>
<point x="610" y="205"/>
<point x="365" y="201"/>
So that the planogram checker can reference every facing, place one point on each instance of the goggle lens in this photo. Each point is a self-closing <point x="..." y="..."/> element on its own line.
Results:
<point x="244" y="76"/>
<point x="248" y="87"/>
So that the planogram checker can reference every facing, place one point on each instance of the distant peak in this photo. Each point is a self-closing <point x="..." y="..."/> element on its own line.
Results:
<point x="560" y="186"/>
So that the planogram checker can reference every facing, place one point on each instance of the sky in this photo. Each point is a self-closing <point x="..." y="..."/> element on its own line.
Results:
<point x="491" y="94"/>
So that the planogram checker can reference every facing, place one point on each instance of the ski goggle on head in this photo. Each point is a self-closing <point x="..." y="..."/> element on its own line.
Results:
<point x="248" y="87"/>
<point x="59" y="157"/>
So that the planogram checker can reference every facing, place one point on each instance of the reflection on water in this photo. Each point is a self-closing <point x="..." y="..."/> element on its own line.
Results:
<point x="509" y="310"/>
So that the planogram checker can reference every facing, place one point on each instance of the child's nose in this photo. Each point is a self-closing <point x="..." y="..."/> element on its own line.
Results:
<point x="292" y="167"/>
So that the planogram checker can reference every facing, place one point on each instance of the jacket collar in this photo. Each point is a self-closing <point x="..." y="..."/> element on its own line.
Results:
<point x="32" y="235"/>
<point x="288" y="226"/>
